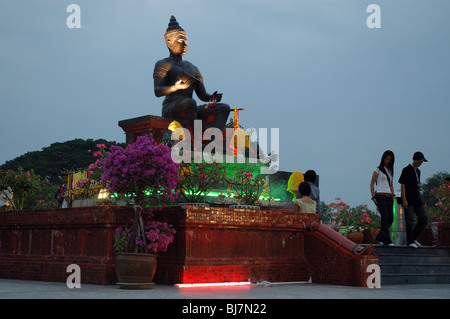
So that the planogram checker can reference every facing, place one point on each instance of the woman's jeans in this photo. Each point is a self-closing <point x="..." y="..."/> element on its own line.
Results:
<point x="385" y="205"/>
<point x="412" y="233"/>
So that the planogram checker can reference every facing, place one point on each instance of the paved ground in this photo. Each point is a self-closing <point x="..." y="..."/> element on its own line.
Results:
<point x="18" y="289"/>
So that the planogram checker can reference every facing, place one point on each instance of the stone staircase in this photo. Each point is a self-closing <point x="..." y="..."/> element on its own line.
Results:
<point x="402" y="265"/>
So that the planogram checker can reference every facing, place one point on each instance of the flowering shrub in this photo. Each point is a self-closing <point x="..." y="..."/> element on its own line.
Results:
<point x="20" y="184"/>
<point x="338" y="210"/>
<point x="198" y="179"/>
<point x="248" y="188"/>
<point x="345" y="218"/>
<point x="144" y="170"/>
<point x="158" y="237"/>
<point x="363" y="217"/>
<point x="92" y="184"/>
<point x="442" y="207"/>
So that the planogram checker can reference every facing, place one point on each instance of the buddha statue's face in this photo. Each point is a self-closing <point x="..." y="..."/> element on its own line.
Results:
<point x="177" y="43"/>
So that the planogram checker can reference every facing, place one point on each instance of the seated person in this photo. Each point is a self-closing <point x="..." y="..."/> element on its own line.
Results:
<point x="305" y="204"/>
<point x="310" y="177"/>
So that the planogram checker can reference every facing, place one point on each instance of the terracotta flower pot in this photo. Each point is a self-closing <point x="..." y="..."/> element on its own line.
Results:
<point x="369" y="236"/>
<point x="355" y="236"/>
<point x="135" y="271"/>
<point x="441" y="233"/>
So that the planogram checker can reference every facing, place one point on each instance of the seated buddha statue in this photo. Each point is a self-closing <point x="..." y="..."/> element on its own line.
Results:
<point x="177" y="79"/>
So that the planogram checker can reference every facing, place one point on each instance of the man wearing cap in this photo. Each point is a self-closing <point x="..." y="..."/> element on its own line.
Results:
<point x="412" y="203"/>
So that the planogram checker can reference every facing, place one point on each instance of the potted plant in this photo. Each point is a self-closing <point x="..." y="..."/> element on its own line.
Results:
<point x="248" y="188"/>
<point x="441" y="214"/>
<point x="145" y="171"/>
<point x="364" y="219"/>
<point x="136" y="271"/>
<point x="350" y="222"/>
<point x="197" y="180"/>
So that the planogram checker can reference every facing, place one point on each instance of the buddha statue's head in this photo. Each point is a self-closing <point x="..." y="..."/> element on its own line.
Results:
<point x="176" y="38"/>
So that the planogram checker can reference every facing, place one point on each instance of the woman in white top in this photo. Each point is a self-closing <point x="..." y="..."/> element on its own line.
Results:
<point x="383" y="197"/>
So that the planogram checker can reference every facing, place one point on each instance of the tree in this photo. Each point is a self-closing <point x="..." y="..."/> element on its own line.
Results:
<point x="21" y="186"/>
<point x="51" y="161"/>
<point x="325" y="212"/>
<point x="433" y="181"/>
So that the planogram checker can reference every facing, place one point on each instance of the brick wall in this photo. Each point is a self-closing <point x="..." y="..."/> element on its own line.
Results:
<point x="39" y="245"/>
<point x="443" y="234"/>
<point x="330" y="263"/>
<point x="211" y="245"/>
<point x="221" y="244"/>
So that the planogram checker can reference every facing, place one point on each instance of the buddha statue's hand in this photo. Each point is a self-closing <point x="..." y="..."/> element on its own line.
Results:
<point x="180" y="85"/>
<point x="217" y="97"/>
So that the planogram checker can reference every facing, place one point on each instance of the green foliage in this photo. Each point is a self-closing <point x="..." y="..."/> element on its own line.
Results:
<point x="440" y="212"/>
<point x="47" y="166"/>
<point x="364" y="217"/>
<point x="58" y="157"/>
<point x="248" y="187"/>
<point x="433" y="181"/>
<point x="44" y="198"/>
<point x="342" y="215"/>
<point x="198" y="179"/>
<point x="325" y="213"/>
<point x="21" y="185"/>
<point x="120" y="239"/>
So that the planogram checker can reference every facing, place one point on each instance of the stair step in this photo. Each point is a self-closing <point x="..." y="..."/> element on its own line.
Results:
<point x="414" y="259"/>
<point x="405" y="279"/>
<point x="408" y="265"/>
<point x="423" y="268"/>
<point x="382" y="250"/>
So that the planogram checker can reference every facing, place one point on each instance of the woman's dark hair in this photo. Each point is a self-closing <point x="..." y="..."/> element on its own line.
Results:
<point x="390" y="167"/>
<point x="310" y="176"/>
<point x="304" y="189"/>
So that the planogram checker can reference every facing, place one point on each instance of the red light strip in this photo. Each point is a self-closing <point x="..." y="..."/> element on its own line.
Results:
<point x="213" y="284"/>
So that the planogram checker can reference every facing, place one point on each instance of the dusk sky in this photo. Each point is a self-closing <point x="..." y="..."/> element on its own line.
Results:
<point x="341" y="93"/>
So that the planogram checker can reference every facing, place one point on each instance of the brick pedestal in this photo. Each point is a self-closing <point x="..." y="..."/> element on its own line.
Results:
<point x="39" y="245"/>
<point x="212" y="244"/>
<point x="221" y="244"/>
<point x="138" y="126"/>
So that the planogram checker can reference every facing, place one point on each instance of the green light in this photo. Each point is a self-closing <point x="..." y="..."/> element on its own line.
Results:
<point x="394" y="210"/>
<point x="217" y="194"/>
